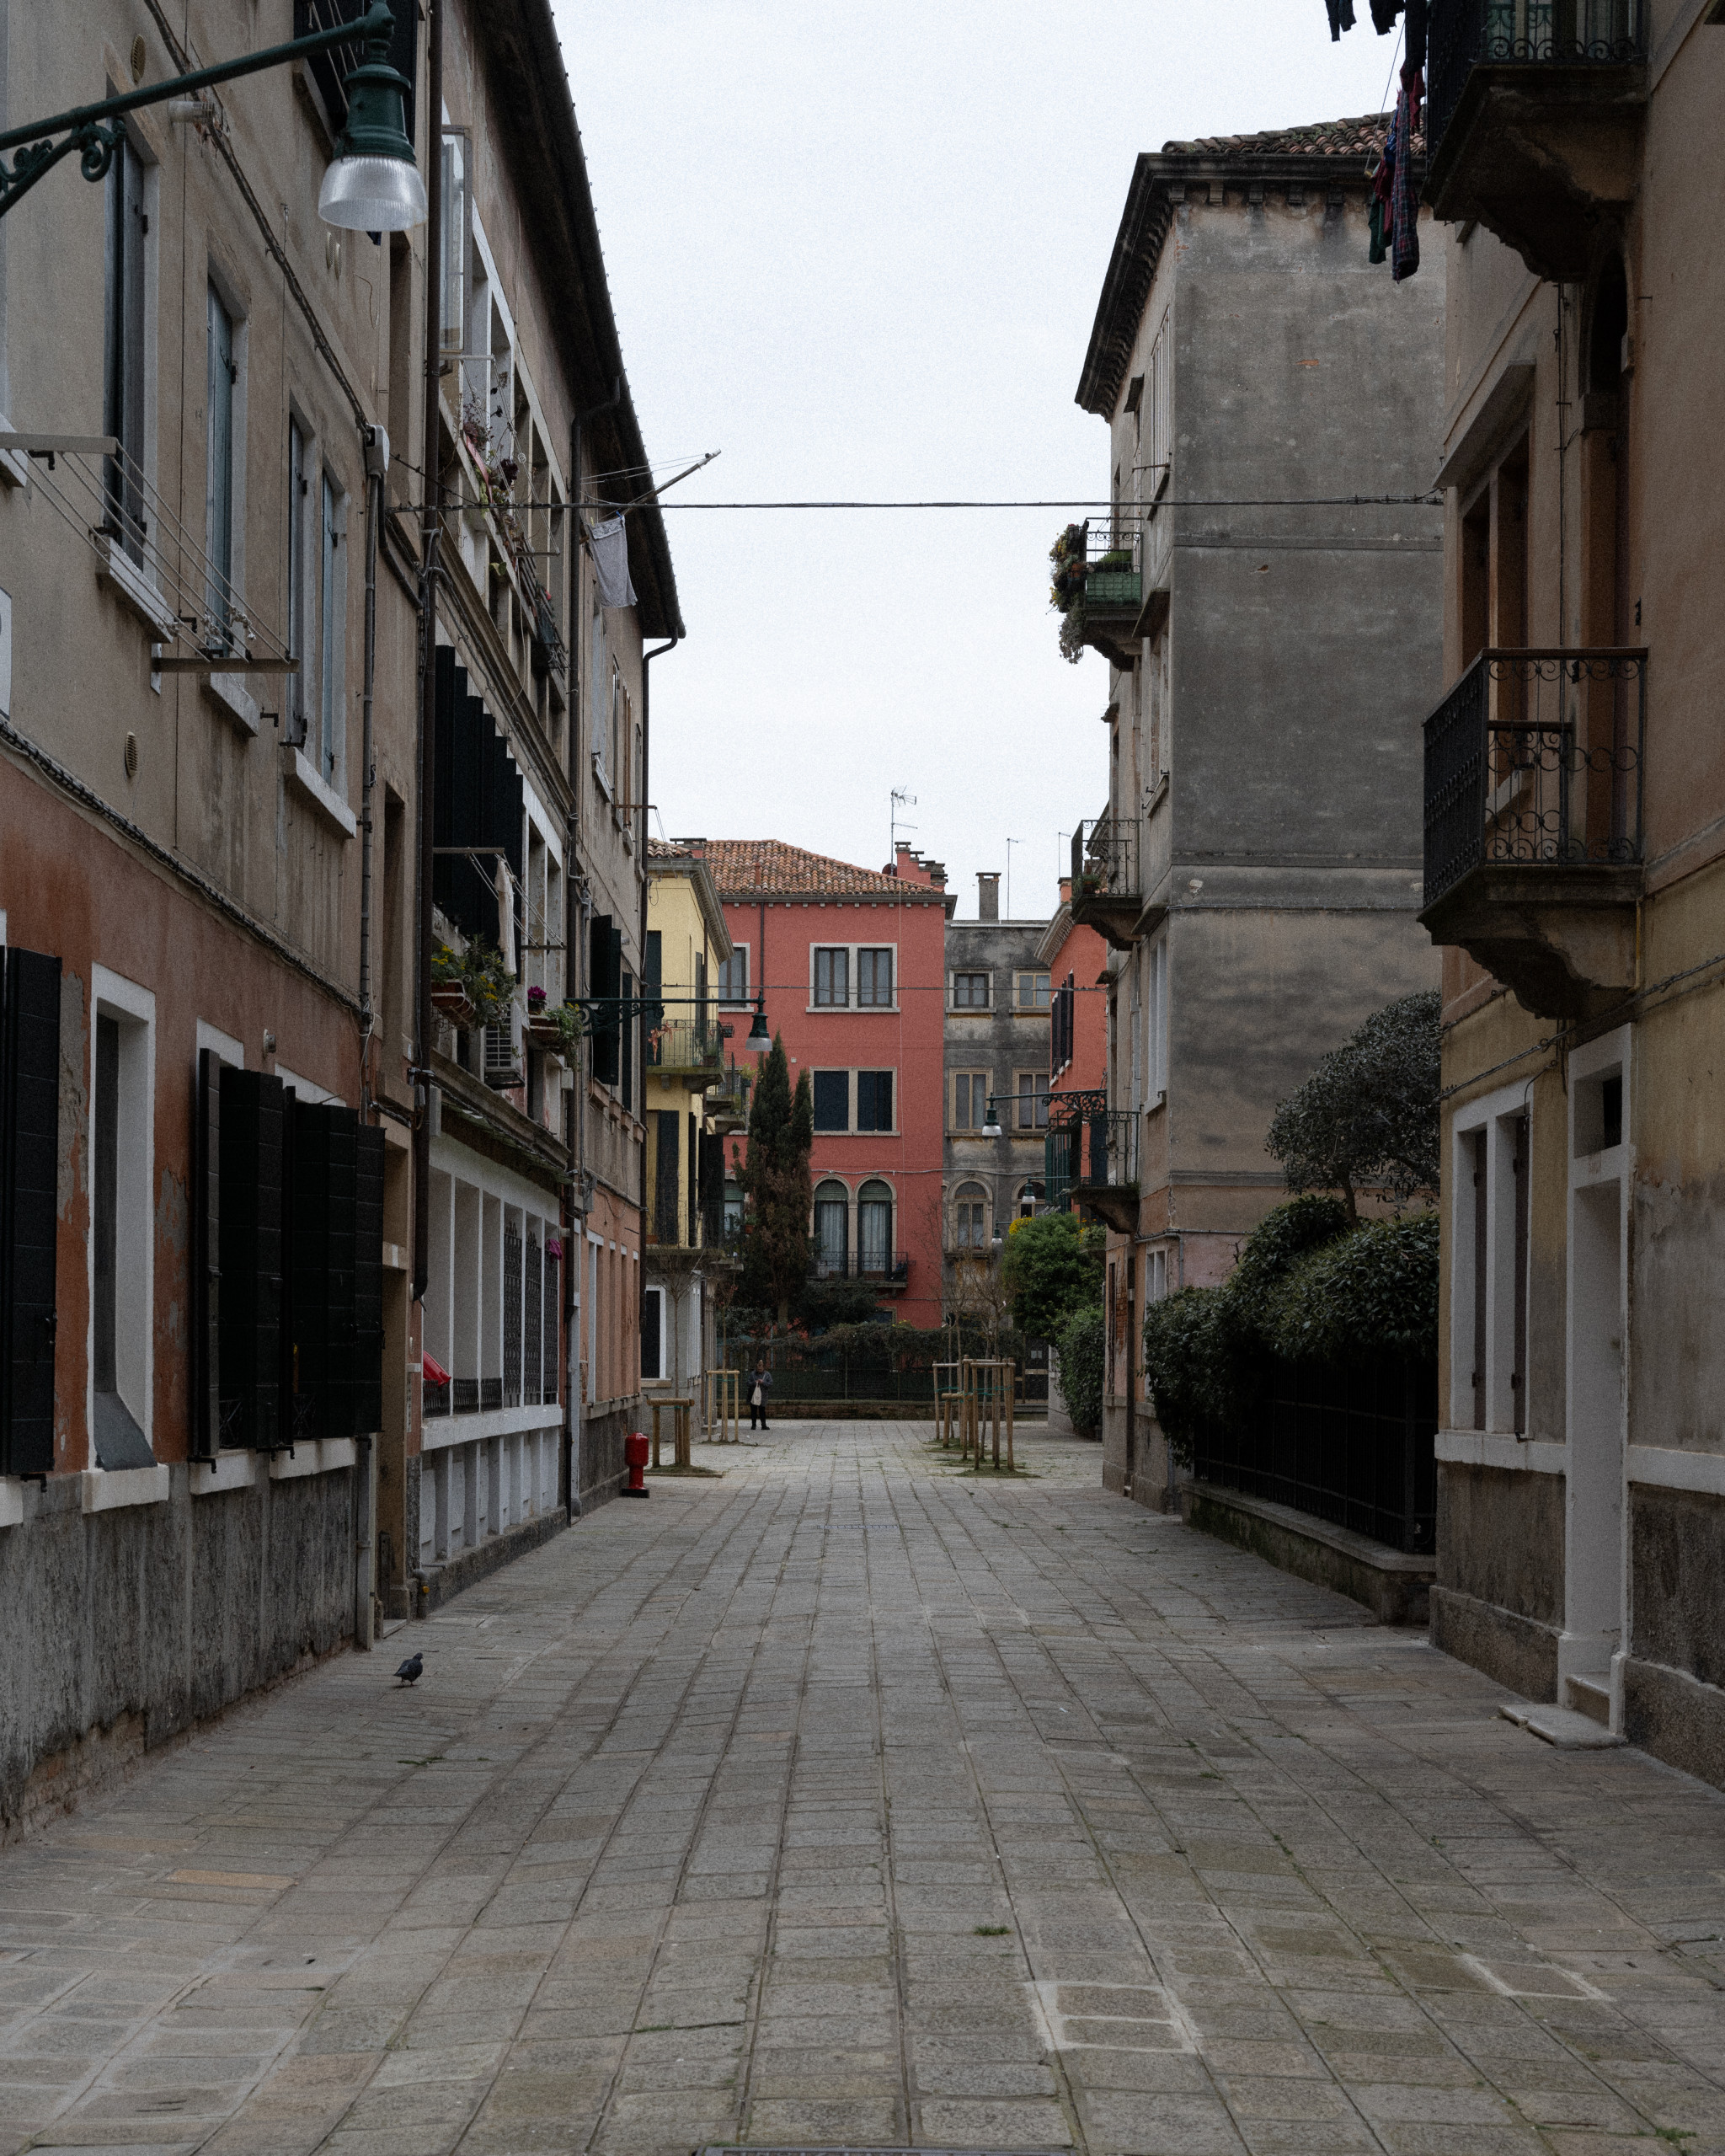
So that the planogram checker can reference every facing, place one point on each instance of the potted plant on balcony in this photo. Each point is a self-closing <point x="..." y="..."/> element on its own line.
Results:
<point x="449" y="988"/>
<point x="488" y="981"/>
<point x="1066" y="590"/>
<point x="554" y="1027"/>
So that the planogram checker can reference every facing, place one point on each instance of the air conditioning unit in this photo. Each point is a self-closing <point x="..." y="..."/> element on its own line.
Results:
<point x="506" y="1058"/>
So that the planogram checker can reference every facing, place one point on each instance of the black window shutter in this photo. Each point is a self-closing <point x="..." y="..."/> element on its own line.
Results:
<point x="30" y="1144"/>
<point x="604" y="956"/>
<point x="248" y="1246"/>
<point x="322" y="1188"/>
<point x="626" y="1043"/>
<point x="206" y="1257"/>
<point x="367" y="1389"/>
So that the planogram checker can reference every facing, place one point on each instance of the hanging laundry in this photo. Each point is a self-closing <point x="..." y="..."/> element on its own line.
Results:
<point x="609" y="545"/>
<point x="1404" y="203"/>
<point x="1341" y="18"/>
<point x="1383" y="15"/>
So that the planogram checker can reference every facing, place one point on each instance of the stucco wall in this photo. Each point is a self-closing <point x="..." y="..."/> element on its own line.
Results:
<point x="125" y="1627"/>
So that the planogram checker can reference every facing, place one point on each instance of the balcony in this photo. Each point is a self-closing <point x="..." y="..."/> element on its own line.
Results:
<point x="1534" y="124"/>
<point x="1105" y="878"/>
<point x="728" y="1100"/>
<point x="1090" y="1160"/>
<point x="678" y="1048"/>
<point x="1103" y="589"/>
<point x="1533" y="827"/>
<point x="888" y="1270"/>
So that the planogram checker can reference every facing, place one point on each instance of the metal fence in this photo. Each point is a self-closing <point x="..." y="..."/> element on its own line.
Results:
<point x="1351" y="1444"/>
<point x="1535" y="758"/>
<point x="813" y="1374"/>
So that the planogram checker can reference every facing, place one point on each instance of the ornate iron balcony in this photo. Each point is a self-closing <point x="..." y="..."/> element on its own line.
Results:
<point x="679" y="1045"/>
<point x="1533" y="818"/>
<point x="1105" y="878"/>
<point x="1533" y="120"/>
<point x="1090" y="1159"/>
<point x="890" y="1268"/>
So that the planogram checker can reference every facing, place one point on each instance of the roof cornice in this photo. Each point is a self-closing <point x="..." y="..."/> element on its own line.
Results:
<point x="1161" y="181"/>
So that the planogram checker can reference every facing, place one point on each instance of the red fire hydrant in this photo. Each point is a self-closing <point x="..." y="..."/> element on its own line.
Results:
<point x="635" y="1450"/>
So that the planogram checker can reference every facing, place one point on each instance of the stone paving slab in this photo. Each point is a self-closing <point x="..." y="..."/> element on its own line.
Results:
<point x="845" y="1802"/>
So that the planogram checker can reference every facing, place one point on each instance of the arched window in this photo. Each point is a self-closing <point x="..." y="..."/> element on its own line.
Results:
<point x="874" y="1227"/>
<point x="832" y="1228"/>
<point x="970" y="1216"/>
<point x="1030" y="1198"/>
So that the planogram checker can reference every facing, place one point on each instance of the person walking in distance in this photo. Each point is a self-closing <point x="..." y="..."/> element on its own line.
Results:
<point x="759" y="1387"/>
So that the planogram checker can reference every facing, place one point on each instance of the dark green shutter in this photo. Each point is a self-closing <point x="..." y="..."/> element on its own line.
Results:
<point x="206" y="1257"/>
<point x="626" y="1048"/>
<point x="249" y="1246"/>
<point x="323" y="1186"/>
<point x="30" y="1144"/>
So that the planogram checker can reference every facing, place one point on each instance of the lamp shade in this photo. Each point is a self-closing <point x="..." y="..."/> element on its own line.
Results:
<point x="373" y="183"/>
<point x="760" y="1039"/>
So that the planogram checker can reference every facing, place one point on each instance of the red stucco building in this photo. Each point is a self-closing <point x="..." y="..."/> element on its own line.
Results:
<point x="852" y="965"/>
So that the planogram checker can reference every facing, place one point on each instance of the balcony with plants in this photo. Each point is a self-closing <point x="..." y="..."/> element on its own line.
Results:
<point x="1533" y="822"/>
<point x="1106" y="878"/>
<point x="687" y="1048"/>
<point x="1097" y="587"/>
<point x="1534" y="121"/>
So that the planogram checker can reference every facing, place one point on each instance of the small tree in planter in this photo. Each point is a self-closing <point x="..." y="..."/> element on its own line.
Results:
<point x="449" y="988"/>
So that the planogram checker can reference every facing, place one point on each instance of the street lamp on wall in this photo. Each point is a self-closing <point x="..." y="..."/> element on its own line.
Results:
<point x="373" y="184"/>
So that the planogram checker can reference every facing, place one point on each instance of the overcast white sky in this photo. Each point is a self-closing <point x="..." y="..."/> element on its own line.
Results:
<point x="858" y="249"/>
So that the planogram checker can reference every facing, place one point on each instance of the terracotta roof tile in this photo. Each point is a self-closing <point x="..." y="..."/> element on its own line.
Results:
<point x="662" y="849"/>
<point x="748" y="867"/>
<point x="1324" y="138"/>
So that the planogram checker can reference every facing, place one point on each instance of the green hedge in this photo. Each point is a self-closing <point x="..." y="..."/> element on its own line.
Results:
<point x="1081" y="1342"/>
<point x="1307" y="1288"/>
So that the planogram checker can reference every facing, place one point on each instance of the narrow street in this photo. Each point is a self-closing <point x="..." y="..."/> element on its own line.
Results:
<point x="848" y="1800"/>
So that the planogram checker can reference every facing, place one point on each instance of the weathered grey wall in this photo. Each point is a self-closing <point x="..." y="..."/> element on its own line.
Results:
<point x="1002" y="1041"/>
<point x="125" y="1627"/>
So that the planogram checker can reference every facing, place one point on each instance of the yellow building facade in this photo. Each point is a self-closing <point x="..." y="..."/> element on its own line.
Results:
<point x="692" y="1097"/>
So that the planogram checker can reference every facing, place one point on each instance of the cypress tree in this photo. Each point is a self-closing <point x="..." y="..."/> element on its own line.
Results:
<point x="777" y="1185"/>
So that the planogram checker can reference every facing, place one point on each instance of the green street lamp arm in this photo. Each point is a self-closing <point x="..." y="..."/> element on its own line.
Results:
<point x="83" y="127"/>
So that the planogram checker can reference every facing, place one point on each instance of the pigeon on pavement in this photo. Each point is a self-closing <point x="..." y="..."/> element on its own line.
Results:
<point x="411" y="1669"/>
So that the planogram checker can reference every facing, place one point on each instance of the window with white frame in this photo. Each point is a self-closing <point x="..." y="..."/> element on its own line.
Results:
<point x="125" y="350"/>
<point x="452" y="265"/>
<point x="1490" y="1141"/>
<point x="874" y="978"/>
<point x="1155" y="1276"/>
<point x="1156" y="1022"/>
<point x="122" y="1115"/>
<point x="832" y="1228"/>
<point x="832" y="978"/>
<point x="332" y="627"/>
<point x="299" y="488"/>
<point x="601" y="679"/>
<point x="652" y="1334"/>
<point x="970" y="1216"/>
<point x="733" y="976"/>
<point x="970" y="1092"/>
<point x="832" y="1100"/>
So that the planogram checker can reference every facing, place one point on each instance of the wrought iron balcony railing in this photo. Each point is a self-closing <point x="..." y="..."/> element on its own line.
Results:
<point x="1114" y="564"/>
<point x="1090" y="1153"/>
<point x="1105" y="877"/>
<point x="728" y="1097"/>
<point x="683" y="1045"/>
<point x="1534" y="121"/>
<point x="1468" y="34"/>
<point x="892" y="1268"/>
<point x="1534" y="759"/>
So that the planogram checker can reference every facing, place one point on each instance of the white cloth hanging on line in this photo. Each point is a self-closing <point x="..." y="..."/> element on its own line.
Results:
<point x="609" y="545"/>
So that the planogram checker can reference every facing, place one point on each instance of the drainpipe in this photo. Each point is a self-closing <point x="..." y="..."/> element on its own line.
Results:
<point x="377" y="448"/>
<point x="424" y="775"/>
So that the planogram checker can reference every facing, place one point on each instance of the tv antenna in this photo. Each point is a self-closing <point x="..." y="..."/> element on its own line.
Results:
<point x="1010" y="843"/>
<point x="901" y="799"/>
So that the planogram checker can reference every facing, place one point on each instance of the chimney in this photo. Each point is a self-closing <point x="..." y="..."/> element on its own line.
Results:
<point x="988" y="897"/>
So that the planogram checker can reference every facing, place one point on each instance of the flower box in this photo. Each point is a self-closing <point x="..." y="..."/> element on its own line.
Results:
<point x="450" y="1001"/>
<point x="546" y="1033"/>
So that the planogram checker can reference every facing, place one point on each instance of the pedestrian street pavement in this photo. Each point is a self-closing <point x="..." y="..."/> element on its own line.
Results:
<point x="847" y="1799"/>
